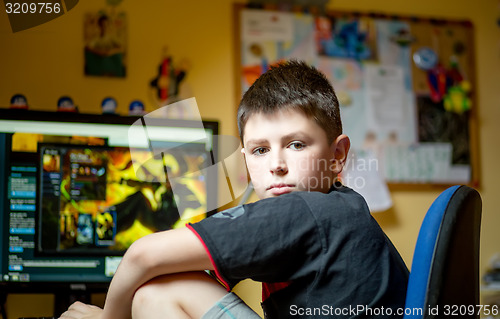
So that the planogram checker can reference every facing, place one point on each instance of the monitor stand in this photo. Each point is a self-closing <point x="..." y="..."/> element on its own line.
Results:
<point x="3" y="301"/>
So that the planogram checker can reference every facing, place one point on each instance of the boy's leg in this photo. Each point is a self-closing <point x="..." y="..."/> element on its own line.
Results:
<point x="188" y="295"/>
<point x="182" y="295"/>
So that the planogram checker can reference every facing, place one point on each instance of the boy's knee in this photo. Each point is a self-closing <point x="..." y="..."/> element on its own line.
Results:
<point x="183" y="293"/>
<point x="156" y="297"/>
<point x="145" y="295"/>
<point x="177" y="290"/>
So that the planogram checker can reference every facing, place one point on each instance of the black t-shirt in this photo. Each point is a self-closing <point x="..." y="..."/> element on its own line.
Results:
<point x="325" y="251"/>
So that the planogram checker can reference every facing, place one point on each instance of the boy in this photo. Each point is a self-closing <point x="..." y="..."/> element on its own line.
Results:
<point x="310" y="240"/>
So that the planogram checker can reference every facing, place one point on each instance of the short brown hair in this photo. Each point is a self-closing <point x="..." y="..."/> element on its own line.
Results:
<point x="293" y="85"/>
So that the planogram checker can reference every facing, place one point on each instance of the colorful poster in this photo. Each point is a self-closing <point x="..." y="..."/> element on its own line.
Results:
<point x="105" y="44"/>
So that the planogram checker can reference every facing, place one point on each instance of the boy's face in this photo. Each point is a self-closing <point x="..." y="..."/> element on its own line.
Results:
<point x="287" y="151"/>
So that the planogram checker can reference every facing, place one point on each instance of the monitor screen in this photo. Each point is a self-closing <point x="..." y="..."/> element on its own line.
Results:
<point x="76" y="191"/>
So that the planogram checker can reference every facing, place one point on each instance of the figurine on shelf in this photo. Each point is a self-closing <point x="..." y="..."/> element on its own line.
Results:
<point x="136" y="108"/>
<point x="65" y="104"/>
<point x="109" y="105"/>
<point x="18" y="101"/>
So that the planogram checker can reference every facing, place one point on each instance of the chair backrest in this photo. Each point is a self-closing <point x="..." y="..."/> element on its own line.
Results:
<point x="444" y="277"/>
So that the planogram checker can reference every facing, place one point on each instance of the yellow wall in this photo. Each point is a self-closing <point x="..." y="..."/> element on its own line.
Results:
<point x="47" y="61"/>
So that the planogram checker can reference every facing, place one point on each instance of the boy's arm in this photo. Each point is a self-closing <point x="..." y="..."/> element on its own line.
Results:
<point x="157" y="254"/>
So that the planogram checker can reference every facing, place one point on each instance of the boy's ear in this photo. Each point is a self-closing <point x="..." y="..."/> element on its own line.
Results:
<point x="341" y="147"/>
<point x="244" y="154"/>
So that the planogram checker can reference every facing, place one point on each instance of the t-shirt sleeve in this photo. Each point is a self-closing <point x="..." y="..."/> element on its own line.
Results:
<point x="268" y="241"/>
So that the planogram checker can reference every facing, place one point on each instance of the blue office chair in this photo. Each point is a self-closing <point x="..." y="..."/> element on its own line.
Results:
<point x="445" y="269"/>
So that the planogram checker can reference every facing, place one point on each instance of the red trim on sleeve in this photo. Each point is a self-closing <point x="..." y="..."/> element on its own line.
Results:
<point x="217" y="273"/>
<point x="269" y="288"/>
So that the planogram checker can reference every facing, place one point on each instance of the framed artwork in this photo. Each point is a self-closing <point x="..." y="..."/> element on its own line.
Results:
<point x="105" y="38"/>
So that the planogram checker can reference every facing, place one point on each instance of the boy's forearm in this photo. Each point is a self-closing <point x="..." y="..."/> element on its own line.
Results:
<point x="121" y="291"/>
<point x="158" y="254"/>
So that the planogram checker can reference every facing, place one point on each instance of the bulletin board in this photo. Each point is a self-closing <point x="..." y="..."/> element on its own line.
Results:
<point x="406" y="85"/>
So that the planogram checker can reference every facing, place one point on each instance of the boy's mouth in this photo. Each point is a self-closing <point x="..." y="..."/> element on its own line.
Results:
<point x="280" y="189"/>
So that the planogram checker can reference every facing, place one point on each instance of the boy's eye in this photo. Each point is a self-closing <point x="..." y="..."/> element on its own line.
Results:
<point x="297" y="146"/>
<point x="259" y="151"/>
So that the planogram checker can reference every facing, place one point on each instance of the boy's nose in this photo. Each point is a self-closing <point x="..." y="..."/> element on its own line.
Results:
<point x="279" y="167"/>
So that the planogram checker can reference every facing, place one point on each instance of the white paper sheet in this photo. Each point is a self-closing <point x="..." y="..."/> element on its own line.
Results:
<point x="259" y="25"/>
<point x="385" y="97"/>
<point x="362" y="173"/>
<point x="423" y="162"/>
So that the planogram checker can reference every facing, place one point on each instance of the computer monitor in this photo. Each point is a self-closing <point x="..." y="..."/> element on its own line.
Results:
<point x="76" y="190"/>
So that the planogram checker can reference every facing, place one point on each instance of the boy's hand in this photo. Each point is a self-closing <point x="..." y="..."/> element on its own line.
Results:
<point x="80" y="310"/>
